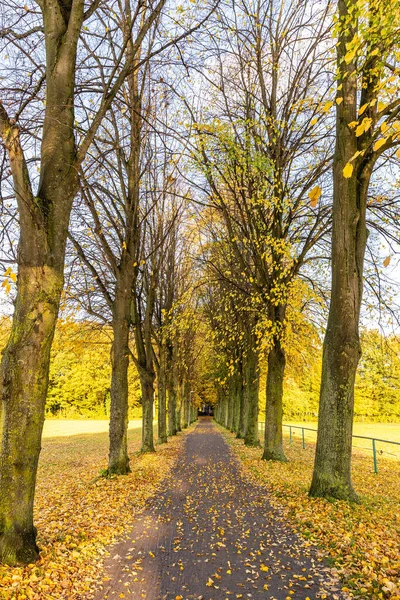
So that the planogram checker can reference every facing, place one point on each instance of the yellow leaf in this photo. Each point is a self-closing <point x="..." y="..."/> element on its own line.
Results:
<point x="178" y="597"/>
<point x="328" y="105"/>
<point x="379" y="143"/>
<point x="314" y="121"/>
<point x="209" y="582"/>
<point x="349" y="56"/>
<point x="398" y="153"/>
<point x="363" y="127"/>
<point x="264" y="567"/>
<point x="362" y="109"/>
<point x="315" y="195"/>
<point x="348" y="171"/>
<point x="386" y="262"/>
<point x="339" y="100"/>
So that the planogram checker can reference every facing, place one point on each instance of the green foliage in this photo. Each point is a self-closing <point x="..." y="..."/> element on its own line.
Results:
<point x="377" y="393"/>
<point x="80" y="372"/>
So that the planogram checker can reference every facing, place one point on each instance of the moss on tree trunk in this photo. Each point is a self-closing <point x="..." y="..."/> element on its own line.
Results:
<point x="23" y="387"/>
<point x="252" y="382"/>
<point x="273" y="449"/>
<point x="147" y="384"/>
<point x="118" y="461"/>
<point x="162" y="400"/>
<point x="332" y="467"/>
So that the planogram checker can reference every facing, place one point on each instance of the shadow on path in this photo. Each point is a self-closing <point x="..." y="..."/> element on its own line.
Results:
<point x="212" y="535"/>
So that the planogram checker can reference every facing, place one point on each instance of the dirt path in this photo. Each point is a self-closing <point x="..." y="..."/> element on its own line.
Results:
<point x="213" y="535"/>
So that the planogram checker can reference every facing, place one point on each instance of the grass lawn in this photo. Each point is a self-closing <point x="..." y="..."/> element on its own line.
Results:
<point x="67" y="427"/>
<point x="362" y="541"/>
<point x="77" y="514"/>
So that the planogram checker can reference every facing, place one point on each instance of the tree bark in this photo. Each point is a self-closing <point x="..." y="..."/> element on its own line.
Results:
<point x="147" y="379"/>
<point x="252" y="383"/>
<point x="24" y="380"/>
<point x="172" y="427"/>
<point x="273" y="449"/>
<point x="238" y="398"/>
<point x="230" y="401"/>
<point x="162" y="399"/>
<point x="118" y="461"/>
<point x="186" y="405"/>
<point x="178" y="387"/>
<point x="43" y="232"/>
<point x="241" y="432"/>
<point x="341" y="354"/>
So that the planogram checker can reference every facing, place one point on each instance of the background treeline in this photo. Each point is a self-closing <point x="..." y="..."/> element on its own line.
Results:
<point x="80" y="371"/>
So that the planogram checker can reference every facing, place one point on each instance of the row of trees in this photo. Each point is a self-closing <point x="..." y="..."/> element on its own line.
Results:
<point x="264" y="151"/>
<point x="183" y="163"/>
<point x="80" y="374"/>
<point x="82" y="114"/>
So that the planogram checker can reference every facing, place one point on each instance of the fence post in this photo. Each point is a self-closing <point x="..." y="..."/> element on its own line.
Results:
<point x="290" y="435"/>
<point x="375" y="459"/>
<point x="302" y="435"/>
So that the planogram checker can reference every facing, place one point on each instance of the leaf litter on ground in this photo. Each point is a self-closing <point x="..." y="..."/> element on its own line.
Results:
<point x="362" y="541"/>
<point x="78" y="514"/>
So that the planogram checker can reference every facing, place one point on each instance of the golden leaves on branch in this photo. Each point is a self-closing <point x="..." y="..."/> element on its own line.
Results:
<point x="9" y="278"/>
<point x="363" y="126"/>
<point x="379" y="143"/>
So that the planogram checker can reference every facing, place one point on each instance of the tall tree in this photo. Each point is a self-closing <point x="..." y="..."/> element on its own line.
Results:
<point x="268" y="110"/>
<point x="367" y="107"/>
<point x="66" y="136"/>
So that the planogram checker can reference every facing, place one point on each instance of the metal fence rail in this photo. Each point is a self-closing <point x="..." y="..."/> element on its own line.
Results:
<point x="374" y="449"/>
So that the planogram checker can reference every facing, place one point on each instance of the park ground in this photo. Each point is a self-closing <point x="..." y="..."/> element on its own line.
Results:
<point x="79" y="515"/>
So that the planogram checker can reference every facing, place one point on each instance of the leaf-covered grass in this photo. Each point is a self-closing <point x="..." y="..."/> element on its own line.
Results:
<point x="78" y="513"/>
<point x="363" y="541"/>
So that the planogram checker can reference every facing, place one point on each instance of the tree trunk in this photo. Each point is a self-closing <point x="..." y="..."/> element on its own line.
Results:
<point x="238" y="398"/>
<point x="147" y="385"/>
<point x="273" y="449"/>
<point x="241" y="432"/>
<point x="43" y="220"/>
<point x="162" y="400"/>
<point x="230" y="401"/>
<point x="225" y="407"/>
<point x="186" y="405"/>
<point x="252" y="382"/>
<point x="23" y="388"/>
<point x="172" y="428"/>
<point x="332" y="467"/>
<point x="178" y="387"/>
<point x="118" y="460"/>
